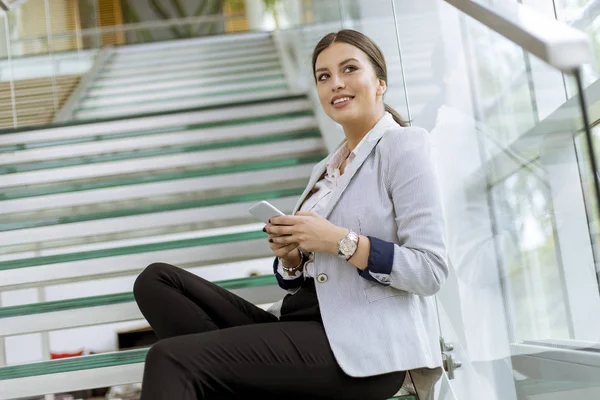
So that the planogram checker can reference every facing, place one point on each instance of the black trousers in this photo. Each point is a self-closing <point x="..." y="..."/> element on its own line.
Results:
<point x="215" y="345"/>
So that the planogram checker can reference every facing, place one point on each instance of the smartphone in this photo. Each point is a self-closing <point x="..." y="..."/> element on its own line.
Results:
<point x="264" y="211"/>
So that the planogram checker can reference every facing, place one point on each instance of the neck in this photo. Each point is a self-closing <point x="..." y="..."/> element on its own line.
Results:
<point x="357" y="130"/>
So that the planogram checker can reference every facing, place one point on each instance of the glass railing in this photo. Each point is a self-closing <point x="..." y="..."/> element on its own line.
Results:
<point x="506" y="114"/>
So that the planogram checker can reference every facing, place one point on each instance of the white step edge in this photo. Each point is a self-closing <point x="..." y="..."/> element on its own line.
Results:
<point x="71" y="381"/>
<point x="188" y="54"/>
<point x="174" y="104"/>
<point x="131" y="264"/>
<point x="123" y="312"/>
<point x="207" y="49"/>
<point x="154" y="122"/>
<point x="233" y="71"/>
<point x="124" y="193"/>
<point x="157" y="70"/>
<point x="253" y="152"/>
<point x="138" y="222"/>
<point x="115" y="91"/>
<point x="168" y="94"/>
<point x="147" y="240"/>
<point x="219" y="40"/>
<point x="185" y="137"/>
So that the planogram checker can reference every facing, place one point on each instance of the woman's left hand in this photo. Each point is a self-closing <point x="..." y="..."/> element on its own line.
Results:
<point x="311" y="231"/>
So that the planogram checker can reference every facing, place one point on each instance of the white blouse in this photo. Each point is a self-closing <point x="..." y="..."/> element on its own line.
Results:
<point x="321" y="193"/>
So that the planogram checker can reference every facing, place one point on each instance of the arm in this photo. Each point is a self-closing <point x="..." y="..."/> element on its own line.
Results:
<point x="418" y="263"/>
<point x="285" y="280"/>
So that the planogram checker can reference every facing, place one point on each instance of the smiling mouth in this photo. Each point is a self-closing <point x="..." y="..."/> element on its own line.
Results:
<point x="341" y="100"/>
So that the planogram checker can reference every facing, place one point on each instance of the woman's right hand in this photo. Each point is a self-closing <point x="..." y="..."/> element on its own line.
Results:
<point x="287" y="253"/>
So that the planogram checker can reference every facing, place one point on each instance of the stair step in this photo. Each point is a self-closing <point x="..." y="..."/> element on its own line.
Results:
<point x="207" y="132"/>
<point x="119" y="368"/>
<point x="231" y="71"/>
<point x="128" y="257"/>
<point x="181" y="104"/>
<point x="262" y="87"/>
<point x="211" y="83"/>
<point x="67" y="216"/>
<point x="16" y="195"/>
<point x="155" y="152"/>
<point x="184" y="92"/>
<point x="207" y="159"/>
<point x="110" y="299"/>
<point x="232" y="114"/>
<point x="155" y="71"/>
<point x="188" y="56"/>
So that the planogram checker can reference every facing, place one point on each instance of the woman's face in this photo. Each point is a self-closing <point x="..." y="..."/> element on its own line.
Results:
<point x="348" y="87"/>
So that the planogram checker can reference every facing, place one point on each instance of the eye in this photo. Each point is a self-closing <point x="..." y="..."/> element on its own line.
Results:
<point x="350" y="68"/>
<point x="322" y="77"/>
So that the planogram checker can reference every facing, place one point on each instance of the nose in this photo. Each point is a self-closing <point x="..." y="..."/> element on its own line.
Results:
<point x="337" y="83"/>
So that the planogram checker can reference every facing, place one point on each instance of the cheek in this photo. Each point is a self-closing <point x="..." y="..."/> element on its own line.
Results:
<point x="324" y="95"/>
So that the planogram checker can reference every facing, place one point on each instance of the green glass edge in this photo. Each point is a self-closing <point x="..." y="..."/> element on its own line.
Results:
<point x="155" y="152"/>
<point x="118" y="298"/>
<point x="230" y="169"/>
<point x="126" y="250"/>
<point x="210" y="202"/>
<point x="147" y="132"/>
<point x="73" y="364"/>
<point x="196" y="96"/>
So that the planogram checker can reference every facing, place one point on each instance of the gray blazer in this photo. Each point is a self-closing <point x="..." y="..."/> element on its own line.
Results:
<point x="389" y="191"/>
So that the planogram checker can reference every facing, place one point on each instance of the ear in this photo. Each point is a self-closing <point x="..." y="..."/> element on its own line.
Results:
<point x="381" y="87"/>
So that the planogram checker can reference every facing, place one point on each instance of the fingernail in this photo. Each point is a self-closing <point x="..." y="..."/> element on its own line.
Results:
<point x="269" y="221"/>
<point x="270" y="240"/>
<point x="264" y="229"/>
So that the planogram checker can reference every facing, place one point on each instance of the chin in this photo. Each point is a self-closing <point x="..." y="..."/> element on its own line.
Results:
<point x="343" y="117"/>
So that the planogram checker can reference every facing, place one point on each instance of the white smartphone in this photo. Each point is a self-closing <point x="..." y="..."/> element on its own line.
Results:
<point x="264" y="211"/>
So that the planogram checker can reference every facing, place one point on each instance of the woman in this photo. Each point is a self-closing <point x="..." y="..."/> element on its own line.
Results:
<point x="360" y="260"/>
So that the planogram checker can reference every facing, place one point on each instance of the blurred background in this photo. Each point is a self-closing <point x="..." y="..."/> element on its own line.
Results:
<point x="136" y="131"/>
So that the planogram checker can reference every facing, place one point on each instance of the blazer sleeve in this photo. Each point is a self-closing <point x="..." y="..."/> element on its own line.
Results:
<point x="418" y="263"/>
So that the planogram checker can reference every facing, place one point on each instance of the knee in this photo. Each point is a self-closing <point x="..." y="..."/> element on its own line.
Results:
<point x="150" y="275"/>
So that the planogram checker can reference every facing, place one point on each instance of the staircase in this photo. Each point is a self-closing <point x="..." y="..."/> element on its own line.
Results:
<point x="183" y="148"/>
<point x="190" y="73"/>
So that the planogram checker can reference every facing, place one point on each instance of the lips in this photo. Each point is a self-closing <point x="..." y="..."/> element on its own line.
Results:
<point x="339" y="99"/>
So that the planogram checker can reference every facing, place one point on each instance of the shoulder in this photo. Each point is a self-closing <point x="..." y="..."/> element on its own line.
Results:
<point x="402" y="140"/>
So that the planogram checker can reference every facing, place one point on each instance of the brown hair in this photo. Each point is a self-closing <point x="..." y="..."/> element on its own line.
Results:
<point x="370" y="48"/>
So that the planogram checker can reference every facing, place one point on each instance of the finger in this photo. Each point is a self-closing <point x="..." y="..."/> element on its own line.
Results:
<point x="307" y="214"/>
<point x="284" y="251"/>
<point x="284" y="240"/>
<point x="280" y="230"/>
<point x="286" y="220"/>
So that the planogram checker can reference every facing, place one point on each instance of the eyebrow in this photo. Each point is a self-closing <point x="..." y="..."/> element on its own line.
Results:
<point x="340" y="64"/>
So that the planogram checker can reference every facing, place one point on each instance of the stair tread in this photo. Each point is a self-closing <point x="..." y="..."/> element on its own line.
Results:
<point x="158" y="131"/>
<point x="118" y="298"/>
<point x="190" y="97"/>
<point x="186" y="85"/>
<point x="158" y="176"/>
<point x="69" y="217"/>
<point x="157" y="151"/>
<point x="130" y="249"/>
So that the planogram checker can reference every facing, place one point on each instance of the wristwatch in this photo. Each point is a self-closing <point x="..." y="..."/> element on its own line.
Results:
<point x="348" y="245"/>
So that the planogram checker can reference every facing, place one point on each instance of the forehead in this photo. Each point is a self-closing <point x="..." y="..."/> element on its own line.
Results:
<point x="338" y="52"/>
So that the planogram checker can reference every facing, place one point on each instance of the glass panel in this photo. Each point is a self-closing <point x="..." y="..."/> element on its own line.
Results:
<point x="515" y="181"/>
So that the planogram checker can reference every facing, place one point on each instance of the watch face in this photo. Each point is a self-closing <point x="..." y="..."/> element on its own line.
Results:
<point x="347" y="246"/>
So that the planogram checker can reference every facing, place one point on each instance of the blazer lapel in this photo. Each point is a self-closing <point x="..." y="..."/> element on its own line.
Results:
<point x="386" y="123"/>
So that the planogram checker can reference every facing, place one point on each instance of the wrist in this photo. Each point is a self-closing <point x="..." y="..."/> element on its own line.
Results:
<point x="292" y="259"/>
<point x="336" y="236"/>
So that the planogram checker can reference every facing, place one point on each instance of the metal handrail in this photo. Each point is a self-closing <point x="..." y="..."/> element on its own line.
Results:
<point x="553" y="41"/>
